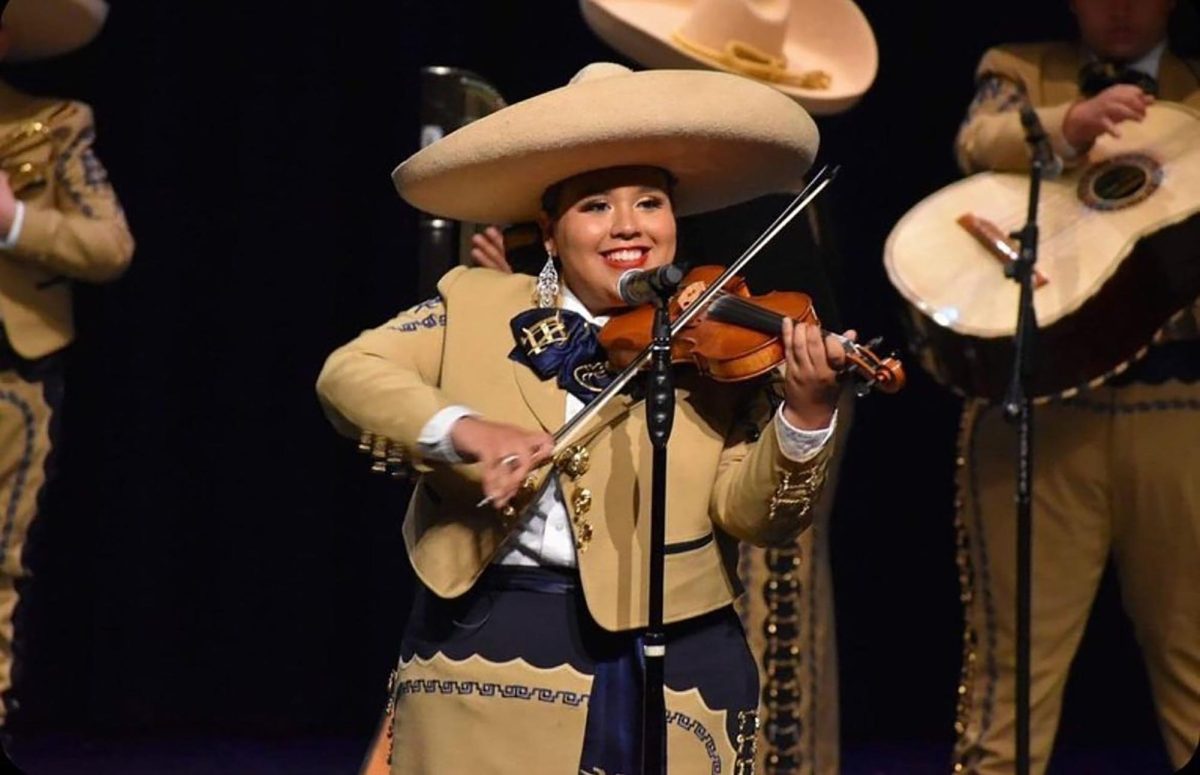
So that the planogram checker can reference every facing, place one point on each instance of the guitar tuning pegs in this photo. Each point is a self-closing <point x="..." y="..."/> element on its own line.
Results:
<point x="365" y="441"/>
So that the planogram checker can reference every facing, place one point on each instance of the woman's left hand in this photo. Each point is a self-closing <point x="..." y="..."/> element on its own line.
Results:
<point x="811" y="385"/>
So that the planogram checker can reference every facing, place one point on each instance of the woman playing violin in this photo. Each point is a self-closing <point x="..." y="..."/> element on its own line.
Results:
<point x="520" y="651"/>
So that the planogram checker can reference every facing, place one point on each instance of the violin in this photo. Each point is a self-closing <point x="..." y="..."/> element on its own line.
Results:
<point x="737" y="335"/>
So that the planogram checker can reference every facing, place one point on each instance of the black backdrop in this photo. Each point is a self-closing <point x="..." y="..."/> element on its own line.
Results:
<point x="215" y="560"/>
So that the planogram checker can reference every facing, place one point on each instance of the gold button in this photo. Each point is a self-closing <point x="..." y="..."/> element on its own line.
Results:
<point x="575" y="461"/>
<point x="581" y="501"/>
<point x="583" y="535"/>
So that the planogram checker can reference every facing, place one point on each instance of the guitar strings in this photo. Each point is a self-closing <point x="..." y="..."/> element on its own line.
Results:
<point x="1061" y="208"/>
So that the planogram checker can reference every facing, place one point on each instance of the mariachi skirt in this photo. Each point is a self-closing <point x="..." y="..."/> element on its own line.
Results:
<point x="515" y="677"/>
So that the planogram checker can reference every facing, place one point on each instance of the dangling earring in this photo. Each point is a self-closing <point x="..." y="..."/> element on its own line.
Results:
<point x="547" y="284"/>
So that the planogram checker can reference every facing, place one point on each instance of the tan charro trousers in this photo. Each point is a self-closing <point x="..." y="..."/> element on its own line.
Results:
<point x="25" y="444"/>
<point x="1116" y="473"/>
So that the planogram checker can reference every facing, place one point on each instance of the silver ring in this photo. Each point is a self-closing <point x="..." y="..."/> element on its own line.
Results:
<point x="512" y="461"/>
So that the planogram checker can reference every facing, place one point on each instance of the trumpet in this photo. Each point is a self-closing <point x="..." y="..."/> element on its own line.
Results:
<point x="25" y="175"/>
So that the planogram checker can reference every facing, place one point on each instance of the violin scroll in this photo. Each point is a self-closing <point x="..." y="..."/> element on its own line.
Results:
<point x="868" y="370"/>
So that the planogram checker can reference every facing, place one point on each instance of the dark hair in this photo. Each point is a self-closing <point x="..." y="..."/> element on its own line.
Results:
<point x="552" y="196"/>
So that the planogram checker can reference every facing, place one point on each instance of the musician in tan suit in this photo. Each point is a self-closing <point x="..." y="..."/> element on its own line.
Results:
<point x="60" y="222"/>
<point x="520" y="654"/>
<point x="1114" y="466"/>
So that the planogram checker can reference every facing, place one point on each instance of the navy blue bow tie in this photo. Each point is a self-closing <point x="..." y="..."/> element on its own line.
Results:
<point x="1096" y="76"/>
<point x="561" y="344"/>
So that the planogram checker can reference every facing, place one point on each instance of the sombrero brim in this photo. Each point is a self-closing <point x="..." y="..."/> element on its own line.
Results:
<point x="835" y="38"/>
<point x="46" y="28"/>
<point x="725" y="138"/>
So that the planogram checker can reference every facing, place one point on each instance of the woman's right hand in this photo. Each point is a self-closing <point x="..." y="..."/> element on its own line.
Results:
<point x="506" y="454"/>
<point x="1087" y="120"/>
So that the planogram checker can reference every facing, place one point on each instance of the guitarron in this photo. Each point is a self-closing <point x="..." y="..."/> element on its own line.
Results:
<point x="1119" y="256"/>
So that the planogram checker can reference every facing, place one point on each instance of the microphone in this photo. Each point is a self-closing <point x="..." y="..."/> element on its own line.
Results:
<point x="1035" y="135"/>
<point x="643" y="286"/>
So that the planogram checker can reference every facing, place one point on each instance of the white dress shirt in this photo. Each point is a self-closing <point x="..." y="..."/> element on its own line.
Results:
<point x="544" y="537"/>
<point x="1150" y="63"/>
<point x="14" y="231"/>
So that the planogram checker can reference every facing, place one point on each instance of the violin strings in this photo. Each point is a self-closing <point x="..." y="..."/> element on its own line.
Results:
<point x="736" y="309"/>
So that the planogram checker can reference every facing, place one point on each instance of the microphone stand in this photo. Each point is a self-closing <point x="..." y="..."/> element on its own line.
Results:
<point x="660" y="416"/>
<point x="1019" y="408"/>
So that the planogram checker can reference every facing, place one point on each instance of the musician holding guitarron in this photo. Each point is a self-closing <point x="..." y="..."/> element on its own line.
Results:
<point x="1117" y="432"/>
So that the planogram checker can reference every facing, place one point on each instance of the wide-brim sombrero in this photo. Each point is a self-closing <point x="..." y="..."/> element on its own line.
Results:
<point x="829" y="37"/>
<point x="44" y="28"/>
<point x="725" y="139"/>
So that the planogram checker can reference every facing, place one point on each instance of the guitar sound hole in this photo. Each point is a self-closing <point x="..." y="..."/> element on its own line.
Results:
<point x="1119" y="183"/>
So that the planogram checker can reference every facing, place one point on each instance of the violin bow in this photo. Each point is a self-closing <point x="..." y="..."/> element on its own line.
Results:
<point x="566" y="434"/>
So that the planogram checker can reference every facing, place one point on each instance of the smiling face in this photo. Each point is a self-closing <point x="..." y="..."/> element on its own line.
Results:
<point x="605" y="223"/>
<point x="1122" y="29"/>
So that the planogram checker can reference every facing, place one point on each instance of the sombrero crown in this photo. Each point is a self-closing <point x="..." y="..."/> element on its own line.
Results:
<point x="821" y="53"/>
<point x="726" y="139"/>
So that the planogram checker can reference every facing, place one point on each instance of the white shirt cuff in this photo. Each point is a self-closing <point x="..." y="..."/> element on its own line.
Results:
<point x="1067" y="152"/>
<point x="799" y="445"/>
<point x="1052" y="119"/>
<point x="14" y="231"/>
<point x="434" y="441"/>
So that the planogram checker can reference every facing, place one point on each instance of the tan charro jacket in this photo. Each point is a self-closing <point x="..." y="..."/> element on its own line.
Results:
<point x="992" y="138"/>
<point x="74" y="228"/>
<point x="721" y="486"/>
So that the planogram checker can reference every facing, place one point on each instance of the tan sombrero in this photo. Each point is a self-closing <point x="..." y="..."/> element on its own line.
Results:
<point x="725" y="138"/>
<point x="44" y="28"/>
<point x="821" y="53"/>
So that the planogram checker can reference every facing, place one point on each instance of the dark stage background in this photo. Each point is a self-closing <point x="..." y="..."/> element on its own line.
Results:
<point x="214" y="560"/>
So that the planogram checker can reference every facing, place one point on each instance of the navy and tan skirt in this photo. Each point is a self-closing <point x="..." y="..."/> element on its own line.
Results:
<point x="515" y="677"/>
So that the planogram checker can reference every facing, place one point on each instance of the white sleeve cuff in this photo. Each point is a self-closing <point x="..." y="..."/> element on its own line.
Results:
<point x="434" y="441"/>
<point x="799" y="445"/>
<point x="1052" y="119"/>
<point x="14" y="231"/>
<point x="1069" y="154"/>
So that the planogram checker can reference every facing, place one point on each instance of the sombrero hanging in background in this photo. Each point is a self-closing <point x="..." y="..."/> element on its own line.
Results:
<point x="40" y="29"/>
<point x="725" y="139"/>
<point x="821" y="53"/>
